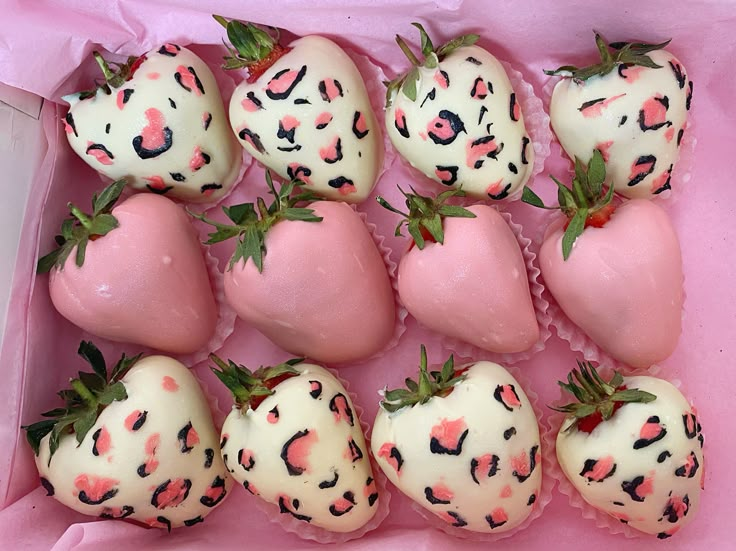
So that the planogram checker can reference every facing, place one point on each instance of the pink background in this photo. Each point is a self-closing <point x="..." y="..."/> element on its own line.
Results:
<point x="43" y="44"/>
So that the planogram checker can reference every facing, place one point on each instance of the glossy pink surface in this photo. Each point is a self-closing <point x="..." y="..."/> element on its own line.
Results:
<point x="474" y="287"/>
<point x="324" y="292"/>
<point x="145" y="282"/>
<point x="622" y="284"/>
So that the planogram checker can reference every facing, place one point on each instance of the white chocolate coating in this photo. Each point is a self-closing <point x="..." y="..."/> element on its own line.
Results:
<point x="309" y="116"/>
<point x="649" y="479"/>
<point x="164" y="398"/>
<point x="295" y="451"/>
<point x="637" y="120"/>
<point x="485" y="481"/>
<point x="465" y="127"/>
<point x="185" y="147"/>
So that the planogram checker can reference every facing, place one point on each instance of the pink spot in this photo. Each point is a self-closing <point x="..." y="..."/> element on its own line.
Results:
<point x="392" y="457"/>
<point x="484" y="463"/>
<point x="173" y="494"/>
<point x="282" y="83"/>
<point x="441" y="81"/>
<point x="192" y="438"/>
<point x="120" y="98"/>
<point x="331" y="89"/>
<point x="603" y="147"/>
<point x="209" y="191"/>
<point x="495" y="188"/>
<point x="95" y="487"/>
<point x="669" y="134"/>
<point x="443" y="173"/>
<point x="68" y="128"/>
<point x="650" y="430"/>
<point x="214" y="492"/>
<point x="509" y="396"/>
<point x="520" y="463"/>
<point x="272" y="417"/>
<point x="101" y="155"/>
<point x="448" y="433"/>
<point x="423" y="135"/>
<point x="197" y="161"/>
<point x="481" y="91"/>
<point x="631" y="73"/>
<point x="171" y="48"/>
<point x="399" y="117"/>
<point x="246" y="458"/>
<point x="646" y="488"/>
<point x="642" y="168"/>
<point x="323" y="119"/>
<point x="442" y="492"/>
<point x="250" y="105"/>
<point x="298" y="171"/>
<point x="596" y="110"/>
<point x="601" y="469"/>
<point x="252" y="489"/>
<point x="299" y="451"/>
<point x="188" y="80"/>
<point x="156" y="182"/>
<point x="330" y="152"/>
<point x="447" y="517"/>
<point x="153" y="76"/>
<point x="289" y="122"/>
<point x="654" y="111"/>
<point x="151" y="465"/>
<point x="131" y="419"/>
<point x="474" y="150"/>
<point x="499" y="515"/>
<point x="370" y="489"/>
<point x="517" y="111"/>
<point x="441" y="128"/>
<point x="103" y="442"/>
<point x="169" y="384"/>
<point x="153" y="132"/>
<point x="360" y="125"/>
<point x="342" y="505"/>
<point x="506" y="492"/>
<point x="152" y="444"/>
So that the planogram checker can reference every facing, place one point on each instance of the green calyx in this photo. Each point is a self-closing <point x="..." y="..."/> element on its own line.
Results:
<point x="116" y="74"/>
<point x="594" y="395"/>
<point x="251" y="221"/>
<point x="429" y="384"/>
<point x="81" y="228"/>
<point x="250" y="387"/>
<point x="581" y="202"/>
<point x="89" y="395"/>
<point x="426" y="214"/>
<point x="248" y="44"/>
<point x="626" y="53"/>
<point x="407" y="83"/>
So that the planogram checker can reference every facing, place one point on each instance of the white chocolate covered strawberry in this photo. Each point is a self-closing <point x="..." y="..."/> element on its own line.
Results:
<point x="293" y="439"/>
<point x="632" y="447"/>
<point x="159" y="123"/>
<point x="466" y="276"/>
<point x="137" y="443"/>
<point x="632" y="106"/>
<point x="456" y="118"/>
<point x="462" y="444"/>
<point x="304" y="112"/>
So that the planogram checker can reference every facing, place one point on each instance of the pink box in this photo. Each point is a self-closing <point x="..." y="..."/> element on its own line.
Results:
<point x="43" y="44"/>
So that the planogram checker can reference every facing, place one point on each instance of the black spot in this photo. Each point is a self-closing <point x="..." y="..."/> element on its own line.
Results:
<point x="275" y="411"/>
<point x="453" y="174"/>
<point x="197" y="82"/>
<point x="246" y="485"/>
<point x="288" y="135"/>
<point x="302" y="101"/>
<point x="701" y="440"/>
<point x="456" y="125"/>
<point x="663" y="456"/>
<point x="125" y="511"/>
<point x="355" y="452"/>
<point x="459" y="521"/>
<point x="472" y="60"/>
<point x="532" y="465"/>
<point x="163" y="51"/>
<point x="70" y="122"/>
<point x="492" y="523"/>
<point x="182" y="436"/>
<point x="223" y="442"/>
<point x="643" y="125"/>
<point x="166" y="522"/>
<point x="436" y="447"/>
<point x="335" y="407"/>
<point x="95" y="436"/>
<point x="630" y="487"/>
<point x="140" y="420"/>
<point x="590" y="103"/>
<point x="208" y="187"/>
<point x="101" y="147"/>
<point x="315" y="393"/>
<point x="589" y="465"/>
<point x="618" y="503"/>
<point x="524" y="142"/>
<point x="689" y="95"/>
<point x="255" y="139"/>
<point x="513" y="169"/>
<point x="621" y="68"/>
<point x="430" y="96"/>
<point x="107" y="128"/>
<point x="532" y="499"/>
<point x="481" y="114"/>
<point x="254" y="99"/>
<point x="251" y="461"/>
<point x="286" y="93"/>
<point x="193" y="521"/>
<point x="512" y="105"/>
<point x="623" y="120"/>
<point x="141" y="470"/>
<point x="165" y="486"/>
<point x="207" y="121"/>
<point x="508" y="433"/>
<point x="144" y="153"/>
<point x="642" y="160"/>
<point x="84" y="498"/>
<point x="663" y="536"/>
<point x="126" y="94"/>
<point x="395" y="454"/>
<point x="293" y="470"/>
<point x="670" y="512"/>
<point x="358" y="134"/>
<point x="667" y="182"/>
<point x="400" y="124"/>
<point x="172" y="103"/>
<point x="338" y="153"/>
<point x="209" y="501"/>
<point x="299" y="173"/>
<point x="329" y="483"/>
<point x="349" y="496"/>
<point x="665" y="101"/>
<point x="686" y="472"/>
<point x="159" y="190"/>
<point x="284" y="509"/>
<point x="679" y="75"/>
<point x="372" y="499"/>
<point x="445" y="77"/>
<point x="296" y="147"/>
<point x="322" y="86"/>
<point x="679" y="136"/>
<point x="340" y="181"/>
<point x="429" y="494"/>
<point x="177" y="176"/>
<point x="47" y="486"/>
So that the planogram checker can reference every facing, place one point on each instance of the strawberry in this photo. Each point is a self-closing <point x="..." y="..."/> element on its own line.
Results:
<point x="133" y="273"/>
<point x="303" y="294"/>
<point x="444" y="280"/>
<point x="135" y="443"/>
<point x="456" y="118"/>
<point x="462" y="444"/>
<point x="158" y="121"/>
<point x="632" y="447"/>
<point x="304" y="112"/>
<point x="632" y="106"/>
<point x="293" y="439"/>
<point x="615" y="271"/>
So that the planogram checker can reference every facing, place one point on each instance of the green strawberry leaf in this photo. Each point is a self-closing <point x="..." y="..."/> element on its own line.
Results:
<point x="573" y="231"/>
<point x="93" y="357"/>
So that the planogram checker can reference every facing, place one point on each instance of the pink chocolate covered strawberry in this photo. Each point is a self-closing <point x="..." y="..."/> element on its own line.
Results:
<point x="464" y="444"/>
<point x="632" y="106"/>
<point x="456" y="118"/>
<point x="304" y="112"/>
<point x="464" y="274"/>
<point x="133" y="273"/>
<point x="632" y="447"/>
<point x="159" y="122"/>
<point x="136" y="443"/>
<point x="309" y="278"/>
<point x="616" y="271"/>
<point x="293" y="438"/>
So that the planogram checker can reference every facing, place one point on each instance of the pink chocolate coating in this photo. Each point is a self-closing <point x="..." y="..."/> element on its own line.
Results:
<point x="622" y="283"/>
<point x="145" y="282"/>
<point x="324" y="291"/>
<point x="474" y="287"/>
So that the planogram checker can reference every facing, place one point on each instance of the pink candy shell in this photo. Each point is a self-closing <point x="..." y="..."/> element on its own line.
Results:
<point x="541" y="306"/>
<point x="548" y="482"/>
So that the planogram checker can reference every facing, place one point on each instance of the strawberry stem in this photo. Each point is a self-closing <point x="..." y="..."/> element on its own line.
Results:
<point x="79" y="215"/>
<point x="80" y="388"/>
<point x="102" y="62"/>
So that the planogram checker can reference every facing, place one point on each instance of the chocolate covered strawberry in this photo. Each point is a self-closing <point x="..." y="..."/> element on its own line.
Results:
<point x="309" y="278"/>
<point x="304" y="112"/>
<point x="464" y="275"/>
<point x="158" y="121"/>
<point x="137" y="443"/>
<point x="455" y="117"/>
<point x="615" y="270"/>
<point x="632" y="106"/>
<point x="293" y="438"/>
<point x="464" y="444"/>
<point x="632" y="447"/>
<point x="134" y="272"/>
